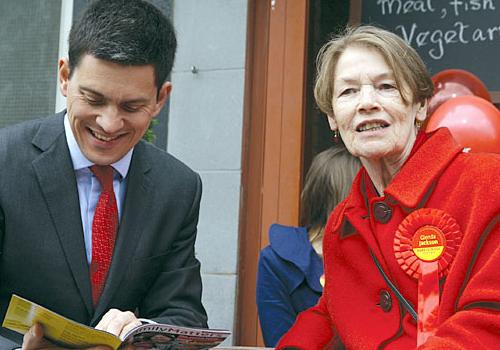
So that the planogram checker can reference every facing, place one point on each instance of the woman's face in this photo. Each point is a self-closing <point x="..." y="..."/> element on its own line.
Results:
<point x="372" y="118"/>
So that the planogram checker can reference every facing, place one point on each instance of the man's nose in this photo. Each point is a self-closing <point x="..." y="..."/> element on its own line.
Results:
<point x="110" y="120"/>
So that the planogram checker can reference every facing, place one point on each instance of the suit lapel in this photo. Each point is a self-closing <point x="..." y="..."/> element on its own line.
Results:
<point x="54" y="171"/>
<point x="136" y="207"/>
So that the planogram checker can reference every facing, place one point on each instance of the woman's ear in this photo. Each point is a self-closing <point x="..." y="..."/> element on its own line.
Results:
<point x="333" y="123"/>
<point x="422" y="111"/>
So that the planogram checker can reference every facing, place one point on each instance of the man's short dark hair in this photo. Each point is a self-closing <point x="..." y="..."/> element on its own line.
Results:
<point x="129" y="32"/>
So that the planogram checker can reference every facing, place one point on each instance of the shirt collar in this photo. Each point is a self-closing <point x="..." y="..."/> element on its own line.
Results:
<point x="80" y="161"/>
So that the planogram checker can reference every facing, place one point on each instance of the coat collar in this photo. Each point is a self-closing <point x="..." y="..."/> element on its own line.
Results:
<point x="292" y="244"/>
<point x="54" y="172"/>
<point x="412" y="185"/>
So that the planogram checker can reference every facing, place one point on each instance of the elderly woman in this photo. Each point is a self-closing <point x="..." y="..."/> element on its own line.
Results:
<point x="412" y="254"/>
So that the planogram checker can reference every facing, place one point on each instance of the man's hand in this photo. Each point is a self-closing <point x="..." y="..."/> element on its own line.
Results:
<point x="118" y="322"/>
<point x="34" y="340"/>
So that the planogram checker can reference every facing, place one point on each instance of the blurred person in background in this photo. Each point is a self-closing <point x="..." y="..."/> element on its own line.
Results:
<point x="290" y="268"/>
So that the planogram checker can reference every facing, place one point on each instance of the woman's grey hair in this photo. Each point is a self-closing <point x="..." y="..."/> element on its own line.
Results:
<point x="411" y="75"/>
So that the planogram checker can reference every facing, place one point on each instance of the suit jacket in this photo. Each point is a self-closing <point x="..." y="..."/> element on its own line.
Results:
<point x="153" y="272"/>
<point x="357" y="307"/>
<point x="288" y="280"/>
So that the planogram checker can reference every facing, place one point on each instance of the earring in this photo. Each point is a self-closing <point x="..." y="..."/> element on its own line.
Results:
<point x="335" y="136"/>
<point x="419" y="124"/>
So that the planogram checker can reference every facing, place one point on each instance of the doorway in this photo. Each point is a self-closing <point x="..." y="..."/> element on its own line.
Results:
<point x="283" y="129"/>
<point x="326" y="18"/>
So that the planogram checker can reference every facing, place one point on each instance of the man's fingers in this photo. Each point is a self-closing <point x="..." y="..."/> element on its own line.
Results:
<point x="31" y="336"/>
<point x="131" y="325"/>
<point x="118" y="322"/>
<point x="106" y="319"/>
<point x="33" y="339"/>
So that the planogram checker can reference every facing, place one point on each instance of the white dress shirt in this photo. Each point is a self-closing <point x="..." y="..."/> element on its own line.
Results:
<point x="89" y="187"/>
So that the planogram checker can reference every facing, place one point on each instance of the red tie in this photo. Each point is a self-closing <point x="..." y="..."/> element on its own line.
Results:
<point x="104" y="229"/>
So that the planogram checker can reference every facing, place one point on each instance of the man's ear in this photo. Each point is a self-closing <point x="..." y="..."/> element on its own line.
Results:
<point x="333" y="123"/>
<point x="64" y="73"/>
<point x="163" y="95"/>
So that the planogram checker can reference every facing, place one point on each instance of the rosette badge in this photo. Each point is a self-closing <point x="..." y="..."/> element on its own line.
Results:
<point x="428" y="243"/>
<point x="427" y="235"/>
<point x="425" y="245"/>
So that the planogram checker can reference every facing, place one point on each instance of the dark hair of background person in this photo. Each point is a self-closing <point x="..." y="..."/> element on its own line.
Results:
<point x="129" y="32"/>
<point x="327" y="182"/>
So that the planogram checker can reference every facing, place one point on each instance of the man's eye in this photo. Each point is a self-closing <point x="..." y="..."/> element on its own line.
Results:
<point x="93" y="101"/>
<point x="130" y="108"/>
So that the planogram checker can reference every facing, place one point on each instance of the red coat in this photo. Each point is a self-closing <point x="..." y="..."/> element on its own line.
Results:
<point x="359" y="308"/>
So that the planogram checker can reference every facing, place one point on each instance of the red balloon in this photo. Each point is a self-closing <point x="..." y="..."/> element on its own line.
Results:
<point x="452" y="83"/>
<point x="473" y="122"/>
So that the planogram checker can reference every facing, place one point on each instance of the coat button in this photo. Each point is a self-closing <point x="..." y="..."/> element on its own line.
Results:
<point x="385" y="301"/>
<point x="382" y="212"/>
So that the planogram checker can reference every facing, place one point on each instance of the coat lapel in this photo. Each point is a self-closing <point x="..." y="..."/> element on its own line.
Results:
<point x="136" y="208"/>
<point x="54" y="171"/>
<point x="355" y="217"/>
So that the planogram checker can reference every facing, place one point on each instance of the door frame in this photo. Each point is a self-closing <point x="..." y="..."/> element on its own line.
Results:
<point x="272" y="160"/>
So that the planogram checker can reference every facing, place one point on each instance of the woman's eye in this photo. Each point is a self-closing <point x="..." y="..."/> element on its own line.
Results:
<point x="387" y="86"/>
<point x="347" y="92"/>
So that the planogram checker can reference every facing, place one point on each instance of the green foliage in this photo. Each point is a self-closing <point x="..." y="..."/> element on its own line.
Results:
<point x="150" y="136"/>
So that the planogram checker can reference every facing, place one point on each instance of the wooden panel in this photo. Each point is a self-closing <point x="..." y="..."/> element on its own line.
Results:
<point x="355" y="12"/>
<point x="273" y="136"/>
<point x="293" y="108"/>
<point x="247" y="331"/>
<point x="273" y="139"/>
<point x="285" y="114"/>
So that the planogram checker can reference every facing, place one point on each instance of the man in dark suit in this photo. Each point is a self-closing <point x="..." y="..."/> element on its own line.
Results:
<point x="102" y="252"/>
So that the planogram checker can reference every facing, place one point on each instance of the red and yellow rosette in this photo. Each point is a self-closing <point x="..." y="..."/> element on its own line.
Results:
<point x="425" y="245"/>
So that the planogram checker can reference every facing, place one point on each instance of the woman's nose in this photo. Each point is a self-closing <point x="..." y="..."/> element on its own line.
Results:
<point x="368" y="98"/>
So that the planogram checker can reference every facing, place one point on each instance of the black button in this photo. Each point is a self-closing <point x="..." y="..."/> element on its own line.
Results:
<point x="385" y="301"/>
<point x="382" y="212"/>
